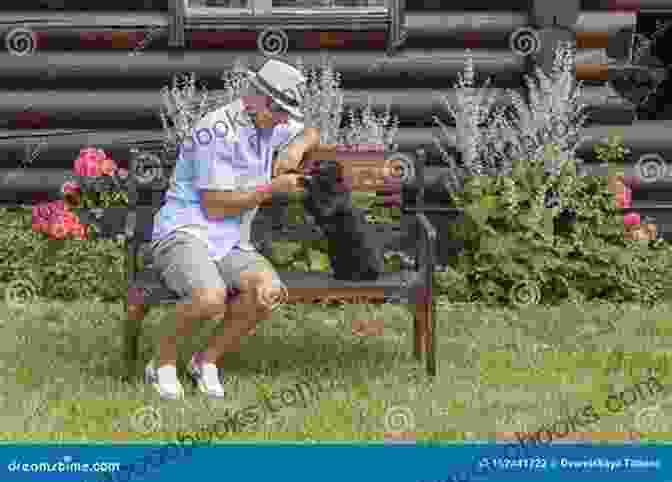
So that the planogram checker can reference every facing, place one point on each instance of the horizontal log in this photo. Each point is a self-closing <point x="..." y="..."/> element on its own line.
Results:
<point x="140" y="41"/>
<point x="106" y="110"/>
<point x="643" y="137"/>
<point x="39" y="7"/>
<point x="75" y="20"/>
<point x="592" y="72"/>
<point x="363" y="70"/>
<point x="604" y="22"/>
<point x="106" y="70"/>
<point x="438" y="6"/>
<point x="660" y="190"/>
<point x="522" y="6"/>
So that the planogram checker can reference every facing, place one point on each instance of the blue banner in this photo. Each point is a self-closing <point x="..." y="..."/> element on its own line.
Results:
<point x="329" y="462"/>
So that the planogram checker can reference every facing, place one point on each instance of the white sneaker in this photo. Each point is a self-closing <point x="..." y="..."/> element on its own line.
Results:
<point x="164" y="380"/>
<point x="205" y="376"/>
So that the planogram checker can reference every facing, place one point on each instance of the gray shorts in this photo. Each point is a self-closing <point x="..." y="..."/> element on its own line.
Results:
<point x="183" y="262"/>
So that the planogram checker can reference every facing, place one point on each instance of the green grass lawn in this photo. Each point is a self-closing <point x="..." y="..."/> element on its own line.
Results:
<point x="500" y="370"/>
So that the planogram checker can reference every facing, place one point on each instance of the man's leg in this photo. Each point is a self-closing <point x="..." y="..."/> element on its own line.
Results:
<point x="259" y="287"/>
<point x="184" y="265"/>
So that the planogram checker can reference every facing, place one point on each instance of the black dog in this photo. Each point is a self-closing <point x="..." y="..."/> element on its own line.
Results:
<point x="352" y="251"/>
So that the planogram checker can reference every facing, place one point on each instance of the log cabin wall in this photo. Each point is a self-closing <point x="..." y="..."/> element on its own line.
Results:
<point x="93" y="78"/>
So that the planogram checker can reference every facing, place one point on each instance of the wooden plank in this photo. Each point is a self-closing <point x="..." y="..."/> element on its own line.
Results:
<point x="592" y="72"/>
<point x="137" y="109"/>
<point x="326" y="295"/>
<point x="110" y="68"/>
<point x="593" y="40"/>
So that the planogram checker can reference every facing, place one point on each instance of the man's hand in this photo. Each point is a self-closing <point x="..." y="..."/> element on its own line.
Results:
<point x="281" y="166"/>
<point x="296" y="151"/>
<point x="286" y="183"/>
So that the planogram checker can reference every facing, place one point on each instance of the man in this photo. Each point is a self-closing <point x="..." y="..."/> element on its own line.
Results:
<point x="202" y="233"/>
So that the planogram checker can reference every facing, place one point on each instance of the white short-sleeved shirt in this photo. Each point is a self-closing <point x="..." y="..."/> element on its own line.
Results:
<point x="220" y="157"/>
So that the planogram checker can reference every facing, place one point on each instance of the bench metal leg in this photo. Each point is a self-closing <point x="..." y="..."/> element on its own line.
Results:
<point x="425" y="329"/>
<point x="131" y="336"/>
<point x="430" y="339"/>
<point x="419" y="324"/>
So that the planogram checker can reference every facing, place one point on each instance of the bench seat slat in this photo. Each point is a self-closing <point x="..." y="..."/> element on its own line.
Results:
<point x="300" y="285"/>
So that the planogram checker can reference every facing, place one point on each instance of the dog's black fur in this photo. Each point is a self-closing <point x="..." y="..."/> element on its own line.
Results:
<point x="352" y="252"/>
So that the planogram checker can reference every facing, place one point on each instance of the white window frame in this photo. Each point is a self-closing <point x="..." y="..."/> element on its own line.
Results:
<point x="390" y="17"/>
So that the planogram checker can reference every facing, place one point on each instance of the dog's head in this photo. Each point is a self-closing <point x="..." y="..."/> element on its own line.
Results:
<point x="326" y="194"/>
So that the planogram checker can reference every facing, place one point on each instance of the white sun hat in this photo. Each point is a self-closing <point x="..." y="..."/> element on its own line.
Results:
<point x="283" y="83"/>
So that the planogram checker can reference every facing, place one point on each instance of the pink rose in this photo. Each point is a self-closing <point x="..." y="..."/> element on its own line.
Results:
<point x="86" y="165"/>
<point x="632" y="219"/>
<point x="40" y="214"/>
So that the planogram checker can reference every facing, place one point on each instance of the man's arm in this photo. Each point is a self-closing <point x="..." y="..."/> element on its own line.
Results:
<point x="296" y="151"/>
<point x="216" y="181"/>
<point x="222" y="204"/>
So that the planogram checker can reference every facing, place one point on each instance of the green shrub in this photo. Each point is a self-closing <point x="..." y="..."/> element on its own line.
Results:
<point x="512" y="250"/>
<point x="511" y="247"/>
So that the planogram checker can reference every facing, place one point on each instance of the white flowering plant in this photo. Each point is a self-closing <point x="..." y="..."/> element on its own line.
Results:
<point x="185" y="103"/>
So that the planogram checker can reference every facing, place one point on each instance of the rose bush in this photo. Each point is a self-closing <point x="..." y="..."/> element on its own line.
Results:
<point x="57" y="219"/>
<point x="97" y="181"/>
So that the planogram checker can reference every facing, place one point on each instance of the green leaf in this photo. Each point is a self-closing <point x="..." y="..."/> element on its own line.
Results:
<point x="478" y="214"/>
<point x="285" y="251"/>
<point x="489" y="203"/>
<point x="319" y="261"/>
